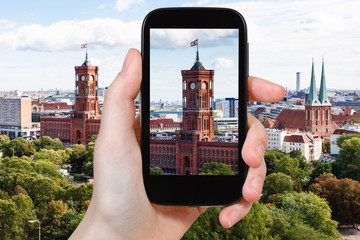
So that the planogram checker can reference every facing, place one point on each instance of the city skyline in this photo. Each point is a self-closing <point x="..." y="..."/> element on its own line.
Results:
<point x="41" y="42"/>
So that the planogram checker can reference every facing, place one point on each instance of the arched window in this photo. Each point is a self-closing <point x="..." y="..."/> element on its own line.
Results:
<point x="217" y="152"/>
<point x="222" y="152"/>
<point x="156" y="149"/>
<point x="167" y="149"/>
<point x="231" y="153"/>
<point x="152" y="149"/>
<point x="226" y="153"/>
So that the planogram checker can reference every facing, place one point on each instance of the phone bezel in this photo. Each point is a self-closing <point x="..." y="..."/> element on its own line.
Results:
<point x="181" y="189"/>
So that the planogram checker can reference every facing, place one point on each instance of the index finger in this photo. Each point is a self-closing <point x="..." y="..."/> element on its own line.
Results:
<point x="264" y="91"/>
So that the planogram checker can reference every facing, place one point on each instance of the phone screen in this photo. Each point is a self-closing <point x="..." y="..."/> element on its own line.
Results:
<point x="194" y="92"/>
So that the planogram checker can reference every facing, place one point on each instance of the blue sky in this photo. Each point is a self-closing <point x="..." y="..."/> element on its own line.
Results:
<point x="40" y="40"/>
<point x="170" y="52"/>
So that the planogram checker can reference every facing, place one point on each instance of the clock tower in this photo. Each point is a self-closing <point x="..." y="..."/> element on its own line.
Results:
<point x="198" y="116"/>
<point x="86" y="100"/>
<point x="198" y="102"/>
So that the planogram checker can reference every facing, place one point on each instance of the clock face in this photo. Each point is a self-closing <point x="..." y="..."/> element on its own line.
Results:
<point x="192" y="85"/>
<point x="203" y="85"/>
<point x="91" y="77"/>
<point x="83" y="78"/>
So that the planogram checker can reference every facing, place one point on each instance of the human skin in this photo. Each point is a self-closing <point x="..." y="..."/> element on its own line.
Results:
<point x="120" y="208"/>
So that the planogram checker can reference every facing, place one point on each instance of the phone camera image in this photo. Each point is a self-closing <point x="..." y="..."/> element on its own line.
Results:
<point x="194" y="101"/>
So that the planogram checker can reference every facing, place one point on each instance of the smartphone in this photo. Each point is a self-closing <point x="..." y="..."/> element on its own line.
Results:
<point x="194" y="105"/>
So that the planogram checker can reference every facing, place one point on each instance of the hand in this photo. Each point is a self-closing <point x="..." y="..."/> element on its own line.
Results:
<point x="119" y="207"/>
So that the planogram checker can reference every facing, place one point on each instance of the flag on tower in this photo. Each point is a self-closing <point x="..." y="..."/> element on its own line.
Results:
<point x="194" y="43"/>
<point x="84" y="45"/>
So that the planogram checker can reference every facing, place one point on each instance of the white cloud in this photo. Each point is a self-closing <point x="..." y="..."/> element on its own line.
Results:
<point x="6" y="24"/>
<point x="285" y="35"/>
<point x="122" y="5"/>
<point x="95" y="61"/>
<point x="225" y="63"/>
<point x="66" y="35"/>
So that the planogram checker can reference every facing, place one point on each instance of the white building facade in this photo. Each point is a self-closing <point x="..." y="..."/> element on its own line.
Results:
<point x="276" y="138"/>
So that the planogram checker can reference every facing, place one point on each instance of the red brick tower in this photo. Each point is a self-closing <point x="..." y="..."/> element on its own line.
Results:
<point x="198" y="101"/>
<point x="198" y="116"/>
<point x="86" y="100"/>
<point x="318" y="118"/>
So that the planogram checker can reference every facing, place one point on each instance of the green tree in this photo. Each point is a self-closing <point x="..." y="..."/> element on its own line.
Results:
<point x="58" y="157"/>
<point x="77" y="157"/>
<point x="277" y="183"/>
<point x="320" y="168"/>
<point x="271" y="162"/>
<point x="326" y="145"/>
<point x="156" y="171"/>
<point x="93" y="138"/>
<point x="17" y="147"/>
<point x="4" y="139"/>
<point x="311" y="210"/>
<point x="349" y="158"/>
<point x="216" y="131"/>
<point x="342" y="138"/>
<point x="88" y="168"/>
<point x="48" y="169"/>
<point x="10" y="226"/>
<point x="69" y="220"/>
<point x="290" y="166"/>
<point x="215" y="168"/>
<point x="46" y="142"/>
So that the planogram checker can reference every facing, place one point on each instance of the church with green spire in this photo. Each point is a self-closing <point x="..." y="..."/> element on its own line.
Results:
<point x="318" y="118"/>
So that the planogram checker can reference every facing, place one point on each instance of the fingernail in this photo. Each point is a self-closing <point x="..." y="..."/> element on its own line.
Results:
<point x="127" y="59"/>
<point x="234" y="217"/>
<point x="260" y="149"/>
<point x="257" y="185"/>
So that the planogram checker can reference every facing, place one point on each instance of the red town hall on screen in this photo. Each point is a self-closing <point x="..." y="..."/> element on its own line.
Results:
<point x="194" y="144"/>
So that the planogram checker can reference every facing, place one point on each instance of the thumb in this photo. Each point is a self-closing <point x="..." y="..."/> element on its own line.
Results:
<point x="119" y="109"/>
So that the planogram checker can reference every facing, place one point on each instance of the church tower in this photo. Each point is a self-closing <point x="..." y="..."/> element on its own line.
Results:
<point x="86" y="100"/>
<point x="198" y="116"/>
<point x="318" y="110"/>
<point x="325" y="111"/>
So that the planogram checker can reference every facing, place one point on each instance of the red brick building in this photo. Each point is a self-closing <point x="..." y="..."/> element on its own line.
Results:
<point x="195" y="143"/>
<point x="316" y="119"/>
<point x="84" y="120"/>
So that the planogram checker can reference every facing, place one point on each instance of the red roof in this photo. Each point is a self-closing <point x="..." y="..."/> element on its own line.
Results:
<point x="342" y="131"/>
<point x="349" y="111"/>
<point x="35" y="103"/>
<point x="290" y="120"/>
<point x="269" y="123"/>
<point x="55" y="105"/>
<point x="343" y="118"/>
<point x="259" y="110"/>
<point x="166" y="122"/>
<point x="297" y="138"/>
